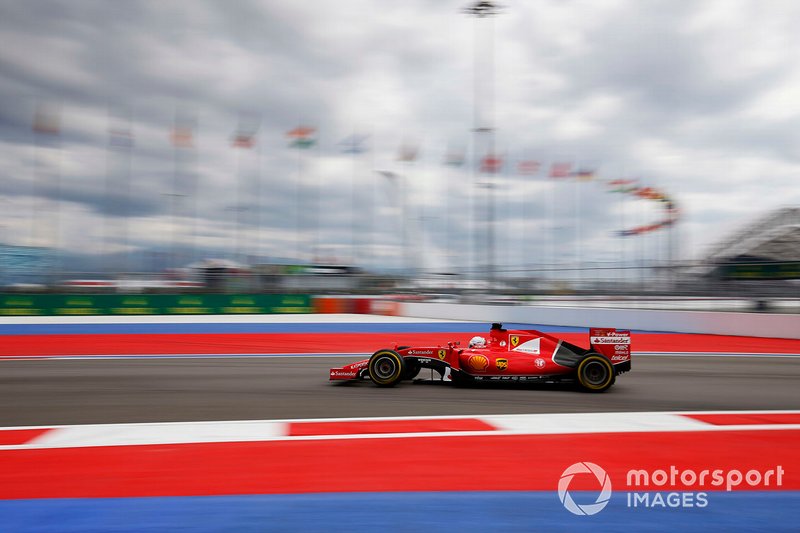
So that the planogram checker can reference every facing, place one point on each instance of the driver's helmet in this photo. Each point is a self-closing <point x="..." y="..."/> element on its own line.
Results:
<point x="477" y="342"/>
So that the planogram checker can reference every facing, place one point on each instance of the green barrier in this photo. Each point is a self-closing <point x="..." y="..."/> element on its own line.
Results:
<point x="152" y="304"/>
<point x="786" y="270"/>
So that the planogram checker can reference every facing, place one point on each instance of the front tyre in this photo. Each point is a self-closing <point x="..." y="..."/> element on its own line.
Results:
<point x="595" y="373"/>
<point x="386" y="368"/>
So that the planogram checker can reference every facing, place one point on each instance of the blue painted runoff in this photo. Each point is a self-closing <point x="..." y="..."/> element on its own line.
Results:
<point x="463" y="512"/>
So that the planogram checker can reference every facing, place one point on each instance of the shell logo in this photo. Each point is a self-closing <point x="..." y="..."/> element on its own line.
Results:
<point x="478" y="362"/>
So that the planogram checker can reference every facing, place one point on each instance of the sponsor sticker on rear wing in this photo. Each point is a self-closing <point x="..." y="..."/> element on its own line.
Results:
<point x="616" y="345"/>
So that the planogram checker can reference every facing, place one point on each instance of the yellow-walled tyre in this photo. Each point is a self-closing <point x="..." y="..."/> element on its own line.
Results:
<point x="595" y="373"/>
<point x="386" y="368"/>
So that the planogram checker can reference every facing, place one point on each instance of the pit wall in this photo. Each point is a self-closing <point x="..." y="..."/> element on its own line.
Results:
<point x="716" y="323"/>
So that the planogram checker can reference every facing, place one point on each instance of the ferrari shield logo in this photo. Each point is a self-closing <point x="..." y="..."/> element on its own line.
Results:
<point x="502" y="364"/>
<point x="442" y="354"/>
<point x="514" y="339"/>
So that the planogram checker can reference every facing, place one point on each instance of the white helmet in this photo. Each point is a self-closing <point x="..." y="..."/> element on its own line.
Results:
<point x="477" y="342"/>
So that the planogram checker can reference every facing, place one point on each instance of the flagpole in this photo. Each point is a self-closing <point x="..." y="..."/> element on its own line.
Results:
<point x="257" y="195"/>
<point x="485" y="9"/>
<point x="353" y="205"/>
<point x="238" y="229"/>
<point x="447" y="214"/>
<point x="106" y="238"/>
<point x="552" y="216"/>
<point x="372" y="203"/>
<point x="404" y="198"/>
<point x="297" y="204"/>
<point x="173" y="208"/>
<point x="578" y="265"/>
<point x="126" y="180"/>
<point x="317" y="214"/>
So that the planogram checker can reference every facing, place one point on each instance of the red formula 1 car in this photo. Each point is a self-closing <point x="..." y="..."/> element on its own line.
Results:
<point x="509" y="355"/>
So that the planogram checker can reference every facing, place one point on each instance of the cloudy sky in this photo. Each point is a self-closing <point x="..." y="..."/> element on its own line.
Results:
<point x="697" y="98"/>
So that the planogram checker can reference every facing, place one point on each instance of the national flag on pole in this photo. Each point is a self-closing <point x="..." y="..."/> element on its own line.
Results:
<point x="47" y="120"/>
<point x="623" y="185"/>
<point x="454" y="158"/>
<point x="528" y="167"/>
<point x="408" y="152"/>
<point x="120" y="138"/>
<point x="648" y="193"/>
<point x="302" y="137"/>
<point x="491" y="164"/>
<point x="243" y="140"/>
<point x="354" y="144"/>
<point x="182" y="136"/>
<point x="245" y="134"/>
<point x="560" y="170"/>
<point x="583" y="174"/>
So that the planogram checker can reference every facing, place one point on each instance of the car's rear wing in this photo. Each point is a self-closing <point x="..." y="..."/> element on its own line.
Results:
<point x="614" y="344"/>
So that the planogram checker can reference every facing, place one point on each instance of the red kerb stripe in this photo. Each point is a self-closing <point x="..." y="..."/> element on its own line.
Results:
<point x="737" y="419"/>
<point x="11" y="437"/>
<point x="360" y="427"/>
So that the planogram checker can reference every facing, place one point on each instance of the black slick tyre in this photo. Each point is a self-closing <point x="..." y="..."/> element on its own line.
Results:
<point x="386" y="368"/>
<point x="595" y="373"/>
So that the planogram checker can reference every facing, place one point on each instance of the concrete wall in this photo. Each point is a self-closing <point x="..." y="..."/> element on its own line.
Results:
<point x="718" y="323"/>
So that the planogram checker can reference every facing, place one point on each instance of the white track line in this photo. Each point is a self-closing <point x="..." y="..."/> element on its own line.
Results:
<point x="277" y="430"/>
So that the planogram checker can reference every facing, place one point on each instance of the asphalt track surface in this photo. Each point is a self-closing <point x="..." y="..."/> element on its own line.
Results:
<point x="85" y="391"/>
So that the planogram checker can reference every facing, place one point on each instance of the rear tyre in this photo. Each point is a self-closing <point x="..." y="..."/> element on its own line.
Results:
<point x="386" y="368"/>
<point x="595" y="373"/>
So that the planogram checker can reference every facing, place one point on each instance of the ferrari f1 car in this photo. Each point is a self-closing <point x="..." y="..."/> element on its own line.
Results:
<point x="508" y="355"/>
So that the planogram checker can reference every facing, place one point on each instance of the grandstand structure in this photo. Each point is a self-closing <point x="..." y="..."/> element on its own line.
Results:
<point x="768" y="248"/>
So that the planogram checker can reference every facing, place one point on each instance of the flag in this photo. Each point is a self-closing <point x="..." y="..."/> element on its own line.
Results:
<point x="390" y="176"/>
<point x="454" y="158"/>
<point x="243" y="140"/>
<point x="47" y="120"/>
<point x="623" y="185"/>
<point x="182" y="136"/>
<point x="560" y="170"/>
<point x="491" y="164"/>
<point x="355" y="144"/>
<point x="528" y="167"/>
<point x="583" y="174"/>
<point x="245" y="134"/>
<point x="120" y="138"/>
<point x="648" y="193"/>
<point x="302" y="137"/>
<point x="408" y="152"/>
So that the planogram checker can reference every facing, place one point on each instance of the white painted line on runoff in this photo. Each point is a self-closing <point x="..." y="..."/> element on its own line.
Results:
<point x="131" y="435"/>
<point x="591" y="423"/>
<point x="277" y="430"/>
